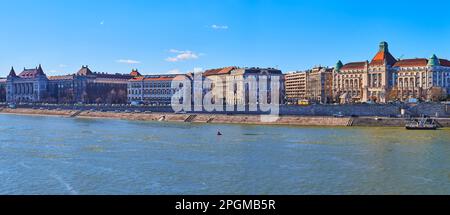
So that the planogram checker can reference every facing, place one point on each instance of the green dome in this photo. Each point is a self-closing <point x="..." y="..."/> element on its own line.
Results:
<point x="338" y="66"/>
<point x="433" y="61"/>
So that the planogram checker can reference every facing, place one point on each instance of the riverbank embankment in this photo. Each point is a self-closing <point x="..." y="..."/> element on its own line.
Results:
<point x="223" y="118"/>
<point x="192" y="118"/>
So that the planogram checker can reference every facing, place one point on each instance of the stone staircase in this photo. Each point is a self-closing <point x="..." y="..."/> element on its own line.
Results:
<point x="76" y="114"/>
<point x="190" y="118"/>
<point x="350" y="122"/>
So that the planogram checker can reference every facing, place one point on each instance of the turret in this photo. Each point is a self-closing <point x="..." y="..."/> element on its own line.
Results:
<point x="40" y="71"/>
<point x="12" y="73"/>
<point x="338" y="66"/>
<point x="384" y="47"/>
<point x="135" y="73"/>
<point x="434" y="61"/>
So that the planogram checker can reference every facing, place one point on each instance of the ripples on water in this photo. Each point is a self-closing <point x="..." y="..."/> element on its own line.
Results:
<point x="50" y="155"/>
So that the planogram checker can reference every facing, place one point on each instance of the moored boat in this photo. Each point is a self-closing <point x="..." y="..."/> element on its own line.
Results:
<point x="421" y="124"/>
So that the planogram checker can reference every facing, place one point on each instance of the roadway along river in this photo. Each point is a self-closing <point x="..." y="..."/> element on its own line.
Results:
<point x="52" y="155"/>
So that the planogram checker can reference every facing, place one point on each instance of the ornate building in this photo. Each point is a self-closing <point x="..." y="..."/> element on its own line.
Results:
<point x="386" y="78"/>
<point x="86" y="86"/>
<point x="33" y="85"/>
<point x="365" y="81"/>
<point x="415" y="78"/>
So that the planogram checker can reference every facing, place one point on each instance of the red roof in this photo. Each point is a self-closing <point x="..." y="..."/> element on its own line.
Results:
<point x="419" y="62"/>
<point x="181" y="78"/>
<point x="220" y="71"/>
<point x="444" y="62"/>
<point x="161" y="78"/>
<point x="31" y="73"/>
<point x="381" y="56"/>
<point x="411" y="62"/>
<point x="135" y="73"/>
<point x="354" y="66"/>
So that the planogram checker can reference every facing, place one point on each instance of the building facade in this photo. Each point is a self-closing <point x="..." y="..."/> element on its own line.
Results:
<point x="365" y="81"/>
<point x="155" y="89"/>
<point x="2" y="89"/>
<point x="387" y="79"/>
<point x="31" y="85"/>
<point x="419" y="78"/>
<point x="242" y="90"/>
<point x="296" y="85"/>
<point x="85" y="86"/>
<point x="217" y="84"/>
<point x="314" y="85"/>
<point x="320" y="85"/>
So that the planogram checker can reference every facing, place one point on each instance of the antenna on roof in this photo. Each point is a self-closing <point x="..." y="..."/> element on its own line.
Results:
<point x="400" y="58"/>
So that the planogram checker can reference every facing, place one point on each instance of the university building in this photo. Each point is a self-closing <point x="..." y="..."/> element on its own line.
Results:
<point x="85" y="86"/>
<point x="31" y="85"/>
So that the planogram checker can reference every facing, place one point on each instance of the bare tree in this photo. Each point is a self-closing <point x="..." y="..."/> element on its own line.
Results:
<point x="437" y="94"/>
<point x="392" y="94"/>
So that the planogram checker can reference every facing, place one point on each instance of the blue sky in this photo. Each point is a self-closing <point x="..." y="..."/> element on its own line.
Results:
<point x="165" y="36"/>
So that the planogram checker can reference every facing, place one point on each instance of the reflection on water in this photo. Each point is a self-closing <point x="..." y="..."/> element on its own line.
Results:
<point x="49" y="155"/>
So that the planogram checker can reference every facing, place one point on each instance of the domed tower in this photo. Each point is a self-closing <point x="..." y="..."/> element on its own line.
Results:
<point x="84" y="71"/>
<point x="383" y="57"/>
<point x="379" y="75"/>
<point x="433" y="61"/>
<point x="135" y="73"/>
<point x="338" y="66"/>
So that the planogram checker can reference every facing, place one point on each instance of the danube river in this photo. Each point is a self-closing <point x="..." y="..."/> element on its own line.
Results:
<point x="53" y="155"/>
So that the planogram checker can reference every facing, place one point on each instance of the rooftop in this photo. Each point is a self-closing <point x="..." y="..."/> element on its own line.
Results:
<point x="354" y="65"/>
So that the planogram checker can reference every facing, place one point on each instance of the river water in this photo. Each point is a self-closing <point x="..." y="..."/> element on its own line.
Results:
<point x="53" y="155"/>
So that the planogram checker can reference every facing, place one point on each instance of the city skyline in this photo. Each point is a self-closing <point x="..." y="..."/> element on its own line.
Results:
<point x="176" y="37"/>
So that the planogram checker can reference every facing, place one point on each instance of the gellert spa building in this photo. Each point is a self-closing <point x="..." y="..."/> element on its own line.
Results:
<point x="386" y="78"/>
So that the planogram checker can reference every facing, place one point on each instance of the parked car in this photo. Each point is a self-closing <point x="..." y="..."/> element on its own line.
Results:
<point x="339" y="115"/>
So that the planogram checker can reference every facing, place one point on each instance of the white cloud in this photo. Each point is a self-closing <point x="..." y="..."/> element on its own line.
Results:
<point x="218" y="27"/>
<point x="128" y="61"/>
<point x="182" y="55"/>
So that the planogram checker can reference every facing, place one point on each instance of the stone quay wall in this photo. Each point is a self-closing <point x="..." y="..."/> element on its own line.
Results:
<point x="360" y="110"/>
